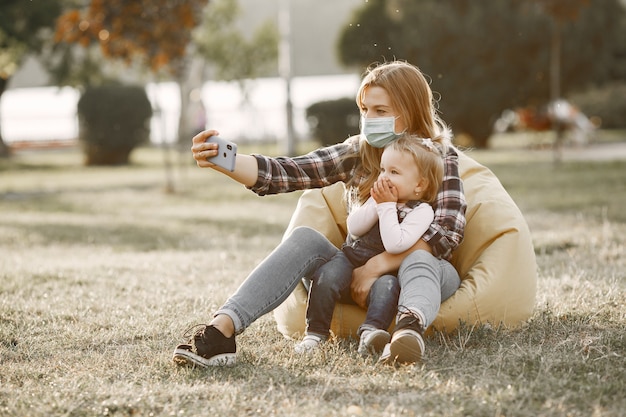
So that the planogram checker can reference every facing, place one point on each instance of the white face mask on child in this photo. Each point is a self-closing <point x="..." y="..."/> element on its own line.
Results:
<point x="379" y="131"/>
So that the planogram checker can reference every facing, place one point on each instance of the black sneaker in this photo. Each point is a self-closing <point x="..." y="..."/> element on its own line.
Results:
<point x="207" y="347"/>
<point x="407" y="342"/>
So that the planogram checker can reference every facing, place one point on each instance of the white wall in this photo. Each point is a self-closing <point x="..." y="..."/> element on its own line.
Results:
<point x="49" y="113"/>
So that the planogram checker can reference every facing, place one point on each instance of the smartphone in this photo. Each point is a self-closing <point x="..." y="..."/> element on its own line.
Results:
<point x="226" y="153"/>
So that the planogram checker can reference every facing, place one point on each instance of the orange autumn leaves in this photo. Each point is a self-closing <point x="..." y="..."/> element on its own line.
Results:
<point x="157" y="31"/>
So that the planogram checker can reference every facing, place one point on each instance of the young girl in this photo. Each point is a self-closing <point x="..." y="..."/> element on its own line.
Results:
<point x="393" y="97"/>
<point x="395" y="216"/>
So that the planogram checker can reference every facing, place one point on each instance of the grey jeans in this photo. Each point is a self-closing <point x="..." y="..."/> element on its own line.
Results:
<point x="424" y="280"/>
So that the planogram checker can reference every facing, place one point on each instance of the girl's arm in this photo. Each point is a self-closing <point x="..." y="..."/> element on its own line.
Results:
<point x="398" y="237"/>
<point x="362" y="218"/>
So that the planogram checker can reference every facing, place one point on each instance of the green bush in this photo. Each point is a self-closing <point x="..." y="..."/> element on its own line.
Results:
<point x="608" y="104"/>
<point x="113" y="120"/>
<point x="333" y="121"/>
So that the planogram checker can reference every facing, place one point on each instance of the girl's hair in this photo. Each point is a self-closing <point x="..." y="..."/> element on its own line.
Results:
<point x="412" y="100"/>
<point x="428" y="157"/>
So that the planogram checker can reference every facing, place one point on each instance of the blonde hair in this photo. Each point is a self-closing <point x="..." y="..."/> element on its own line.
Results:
<point x="428" y="157"/>
<point x="412" y="100"/>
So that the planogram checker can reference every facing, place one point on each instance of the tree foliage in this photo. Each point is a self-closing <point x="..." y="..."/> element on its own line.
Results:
<point x="113" y="120"/>
<point x="331" y="119"/>
<point x="234" y="55"/>
<point x="486" y="58"/>
<point x="23" y="29"/>
<point x="156" y="32"/>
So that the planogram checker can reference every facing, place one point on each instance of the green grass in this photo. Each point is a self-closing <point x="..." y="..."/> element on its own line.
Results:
<point x="599" y="188"/>
<point x="101" y="272"/>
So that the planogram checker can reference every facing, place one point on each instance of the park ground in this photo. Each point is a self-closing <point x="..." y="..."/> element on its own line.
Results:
<point x="102" y="271"/>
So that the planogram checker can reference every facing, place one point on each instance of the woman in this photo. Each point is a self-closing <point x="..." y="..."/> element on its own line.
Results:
<point x="393" y="98"/>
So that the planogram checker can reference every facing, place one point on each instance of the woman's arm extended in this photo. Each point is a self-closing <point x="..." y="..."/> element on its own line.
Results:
<point x="273" y="175"/>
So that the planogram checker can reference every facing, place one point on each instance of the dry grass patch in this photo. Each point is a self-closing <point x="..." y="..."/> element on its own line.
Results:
<point x="101" y="272"/>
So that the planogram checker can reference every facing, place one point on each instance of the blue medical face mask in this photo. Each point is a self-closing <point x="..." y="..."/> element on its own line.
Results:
<point x="379" y="131"/>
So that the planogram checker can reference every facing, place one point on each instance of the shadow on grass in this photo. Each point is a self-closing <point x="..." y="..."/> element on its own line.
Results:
<point x="592" y="187"/>
<point x="196" y="233"/>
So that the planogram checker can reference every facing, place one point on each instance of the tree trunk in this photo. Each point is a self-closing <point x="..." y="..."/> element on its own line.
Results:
<point x="5" y="151"/>
<point x="555" y="86"/>
<point x="98" y="155"/>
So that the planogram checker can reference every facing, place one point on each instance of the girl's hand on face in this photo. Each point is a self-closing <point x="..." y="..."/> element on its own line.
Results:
<point x="201" y="149"/>
<point x="384" y="191"/>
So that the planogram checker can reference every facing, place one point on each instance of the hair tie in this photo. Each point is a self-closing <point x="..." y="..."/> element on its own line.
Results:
<point x="427" y="142"/>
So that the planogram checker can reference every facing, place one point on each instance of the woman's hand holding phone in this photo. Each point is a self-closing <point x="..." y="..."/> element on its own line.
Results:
<point x="209" y="150"/>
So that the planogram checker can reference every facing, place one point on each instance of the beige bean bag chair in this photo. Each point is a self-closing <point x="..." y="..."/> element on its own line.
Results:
<point x="496" y="260"/>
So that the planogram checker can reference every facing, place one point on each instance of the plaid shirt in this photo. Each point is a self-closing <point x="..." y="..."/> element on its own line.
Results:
<point x="341" y="162"/>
